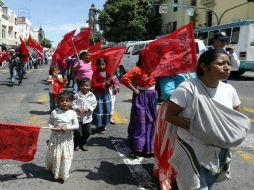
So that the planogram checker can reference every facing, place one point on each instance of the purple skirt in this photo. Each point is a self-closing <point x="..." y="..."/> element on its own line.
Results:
<point x="141" y="126"/>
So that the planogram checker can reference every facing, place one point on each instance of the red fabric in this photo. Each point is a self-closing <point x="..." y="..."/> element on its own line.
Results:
<point x="82" y="40"/>
<point x="95" y="47"/>
<point x="23" y="49"/>
<point x="32" y="43"/>
<point x="3" y="56"/>
<point x="64" y="49"/>
<point x="137" y="77"/>
<point x="172" y="54"/>
<point x="18" y="142"/>
<point x="57" y="89"/>
<point x="69" y="35"/>
<point x="112" y="56"/>
<point x="98" y="82"/>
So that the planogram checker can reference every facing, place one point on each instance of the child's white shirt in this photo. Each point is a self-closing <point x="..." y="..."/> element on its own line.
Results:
<point x="85" y="101"/>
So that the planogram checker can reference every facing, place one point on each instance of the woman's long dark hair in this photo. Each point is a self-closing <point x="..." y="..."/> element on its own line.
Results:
<point x="207" y="58"/>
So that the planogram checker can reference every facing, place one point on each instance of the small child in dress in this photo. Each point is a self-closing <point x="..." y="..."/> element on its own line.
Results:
<point x="84" y="104"/>
<point x="60" y="148"/>
<point x="56" y="81"/>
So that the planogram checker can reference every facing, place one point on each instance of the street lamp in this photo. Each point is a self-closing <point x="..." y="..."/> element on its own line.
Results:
<point x="218" y="21"/>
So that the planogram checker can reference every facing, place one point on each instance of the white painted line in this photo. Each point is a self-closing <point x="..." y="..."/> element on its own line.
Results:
<point x="135" y="165"/>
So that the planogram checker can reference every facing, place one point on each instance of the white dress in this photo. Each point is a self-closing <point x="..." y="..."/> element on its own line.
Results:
<point x="60" y="148"/>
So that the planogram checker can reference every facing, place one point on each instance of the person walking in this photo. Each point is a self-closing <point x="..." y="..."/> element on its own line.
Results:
<point x="59" y="154"/>
<point x="13" y="61"/>
<point x="143" y="110"/>
<point x="84" y="103"/>
<point x="205" y="112"/>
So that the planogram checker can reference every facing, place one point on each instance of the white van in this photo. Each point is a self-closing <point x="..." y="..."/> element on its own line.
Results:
<point x="131" y="55"/>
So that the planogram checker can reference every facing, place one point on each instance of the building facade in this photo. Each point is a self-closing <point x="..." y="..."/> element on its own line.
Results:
<point x="25" y="27"/>
<point x="206" y="13"/>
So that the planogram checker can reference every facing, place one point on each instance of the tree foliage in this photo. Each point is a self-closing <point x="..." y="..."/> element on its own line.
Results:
<point x="46" y="43"/>
<point x="123" y="20"/>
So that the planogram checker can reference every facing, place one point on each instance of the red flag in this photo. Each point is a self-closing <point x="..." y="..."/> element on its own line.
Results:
<point x="172" y="54"/>
<point x="18" y="142"/>
<point x="23" y="49"/>
<point x="69" y="35"/>
<point x="32" y="43"/>
<point x="112" y="56"/>
<point x="82" y="40"/>
<point x="95" y="47"/>
<point x="64" y="49"/>
<point x="3" y="56"/>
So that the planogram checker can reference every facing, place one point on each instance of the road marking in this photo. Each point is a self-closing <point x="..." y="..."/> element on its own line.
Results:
<point x="246" y="156"/>
<point x="43" y="99"/>
<point x="246" y="108"/>
<point x="37" y="120"/>
<point x="246" y="99"/>
<point x="135" y="165"/>
<point x="119" y="118"/>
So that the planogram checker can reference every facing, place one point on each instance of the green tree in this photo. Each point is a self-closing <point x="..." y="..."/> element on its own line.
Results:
<point x="46" y="43"/>
<point x="123" y="20"/>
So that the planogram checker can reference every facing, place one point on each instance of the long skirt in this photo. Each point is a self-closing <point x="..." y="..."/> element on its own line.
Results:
<point x="141" y="126"/>
<point x="102" y="112"/>
<point x="60" y="154"/>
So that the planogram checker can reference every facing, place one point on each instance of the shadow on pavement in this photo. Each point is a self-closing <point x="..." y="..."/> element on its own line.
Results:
<point x="34" y="171"/>
<point x="109" y="172"/>
<point x="103" y="141"/>
<point x="8" y="177"/>
<point x="39" y="112"/>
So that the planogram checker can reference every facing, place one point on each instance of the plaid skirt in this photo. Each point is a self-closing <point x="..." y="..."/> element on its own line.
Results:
<point x="102" y="112"/>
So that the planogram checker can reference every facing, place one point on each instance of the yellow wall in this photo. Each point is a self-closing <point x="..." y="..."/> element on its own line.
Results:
<point x="243" y="12"/>
<point x="218" y="6"/>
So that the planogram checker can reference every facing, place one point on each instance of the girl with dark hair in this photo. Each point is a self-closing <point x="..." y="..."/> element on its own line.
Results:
<point x="143" y="111"/>
<point x="101" y="82"/>
<point x="60" y="147"/>
<point x="205" y="112"/>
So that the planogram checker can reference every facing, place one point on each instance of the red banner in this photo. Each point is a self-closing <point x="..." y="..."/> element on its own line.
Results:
<point x="18" y="142"/>
<point x="32" y="43"/>
<point x="95" y="47"/>
<point x="23" y="49"/>
<point x="64" y="49"/>
<point x="112" y="56"/>
<point x="3" y="56"/>
<point x="172" y="54"/>
<point x="82" y="40"/>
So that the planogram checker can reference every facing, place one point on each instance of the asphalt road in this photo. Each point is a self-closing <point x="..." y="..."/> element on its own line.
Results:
<point x="109" y="163"/>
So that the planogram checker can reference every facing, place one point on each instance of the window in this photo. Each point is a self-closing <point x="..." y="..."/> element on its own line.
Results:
<point x="211" y="36"/>
<point x="3" y="31"/>
<point x="193" y="2"/>
<point x="175" y="8"/>
<point x="227" y="31"/>
<point x="174" y="26"/>
<point x="137" y="48"/>
<point x="203" y="36"/>
<point x="235" y="35"/>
